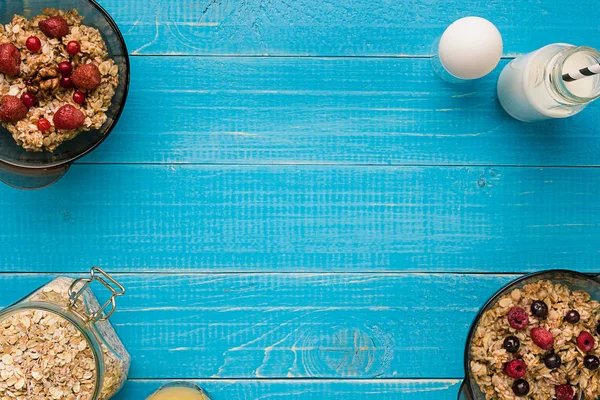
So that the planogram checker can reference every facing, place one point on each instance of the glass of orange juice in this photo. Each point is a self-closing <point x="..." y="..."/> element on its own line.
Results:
<point x="179" y="391"/>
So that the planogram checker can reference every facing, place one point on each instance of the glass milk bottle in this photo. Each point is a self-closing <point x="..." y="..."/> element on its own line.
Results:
<point x="179" y="391"/>
<point x="532" y="88"/>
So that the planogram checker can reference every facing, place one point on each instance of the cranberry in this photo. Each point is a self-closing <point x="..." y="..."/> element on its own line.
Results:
<point x="28" y="99"/>
<point x="79" y="97"/>
<point x="44" y="125"/>
<point x="73" y="47"/>
<point x="65" y="68"/>
<point x="66" y="82"/>
<point x="542" y="337"/>
<point x="34" y="44"/>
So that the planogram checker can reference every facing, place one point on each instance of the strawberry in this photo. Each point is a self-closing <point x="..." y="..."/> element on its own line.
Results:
<point x="68" y="118"/>
<point x="87" y="77"/>
<point x="12" y="109"/>
<point x="10" y="60"/>
<point x="54" y="27"/>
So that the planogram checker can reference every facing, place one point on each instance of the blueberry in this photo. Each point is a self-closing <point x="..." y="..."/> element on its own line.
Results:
<point x="539" y="309"/>
<point x="511" y="344"/>
<point x="520" y="387"/>
<point x="552" y="360"/>
<point x="591" y="362"/>
<point x="572" y="317"/>
<point x="598" y="329"/>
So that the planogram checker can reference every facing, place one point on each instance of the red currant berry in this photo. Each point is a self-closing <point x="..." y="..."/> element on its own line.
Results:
<point x="65" y="68"/>
<point x="28" y="99"/>
<point x="79" y="97"/>
<point x="44" y="125"/>
<point x="66" y="82"/>
<point x="34" y="44"/>
<point x="73" y="48"/>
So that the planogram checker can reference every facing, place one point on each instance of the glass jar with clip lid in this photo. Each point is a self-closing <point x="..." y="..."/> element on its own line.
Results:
<point x="58" y="342"/>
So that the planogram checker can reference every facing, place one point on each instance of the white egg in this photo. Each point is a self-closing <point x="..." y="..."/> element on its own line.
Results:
<point x="470" y="48"/>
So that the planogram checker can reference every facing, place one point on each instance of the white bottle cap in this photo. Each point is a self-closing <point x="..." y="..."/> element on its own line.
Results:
<point x="470" y="48"/>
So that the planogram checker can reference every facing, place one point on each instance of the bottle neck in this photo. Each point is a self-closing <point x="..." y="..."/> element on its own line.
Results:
<point x="570" y="60"/>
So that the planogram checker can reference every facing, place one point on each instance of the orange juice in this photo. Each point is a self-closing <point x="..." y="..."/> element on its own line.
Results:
<point x="179" y="393"/>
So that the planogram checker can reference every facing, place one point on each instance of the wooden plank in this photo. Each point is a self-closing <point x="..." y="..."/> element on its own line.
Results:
<point x="309" y="389"/>
<point x="339" y="27"/>
<point x="344" y="110"/>
<point x="305" y="218"/>
<point x="293" y="325"/>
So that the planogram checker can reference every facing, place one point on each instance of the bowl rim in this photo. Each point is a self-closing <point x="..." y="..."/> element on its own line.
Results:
<point x="494" y="298"/>
<point x="116" y="117"/>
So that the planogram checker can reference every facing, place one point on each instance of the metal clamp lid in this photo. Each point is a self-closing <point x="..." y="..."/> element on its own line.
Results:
<point x="96" y="274"/>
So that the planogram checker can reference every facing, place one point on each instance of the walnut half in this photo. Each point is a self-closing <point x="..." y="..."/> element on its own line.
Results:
<point x="46" y="79"/>
<point x="50" y="84"/>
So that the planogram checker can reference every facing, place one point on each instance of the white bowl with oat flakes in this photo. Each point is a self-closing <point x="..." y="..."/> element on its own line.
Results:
<point x="538" y="338"/>
<point x="64" y="80"/>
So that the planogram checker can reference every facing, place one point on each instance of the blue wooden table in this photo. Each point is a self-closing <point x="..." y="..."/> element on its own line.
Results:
<point x="300" y="209"/>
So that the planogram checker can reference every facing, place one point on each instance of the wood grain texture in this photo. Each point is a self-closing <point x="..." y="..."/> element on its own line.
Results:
<point x="334" y="111"/>
<point x="293" y="325"/>
<point x="339" y="27"/>
<point x="305" y="218"/>
<point x="261" y="211"/>
<point x="308" y="389"/>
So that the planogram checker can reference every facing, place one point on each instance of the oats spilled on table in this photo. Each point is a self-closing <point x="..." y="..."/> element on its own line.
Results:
<point x="56" y="79"/>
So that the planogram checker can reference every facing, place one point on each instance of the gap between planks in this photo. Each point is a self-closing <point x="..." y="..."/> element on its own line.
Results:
<point x="341" y="164"/>
<point x="319" y="57"/>
<point x="288" y="380"/>
<point x="276" y="273"/>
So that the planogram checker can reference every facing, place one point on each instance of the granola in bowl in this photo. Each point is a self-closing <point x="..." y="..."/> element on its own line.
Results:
<point x="539" y="342"/>
<point x="56" y="79"/>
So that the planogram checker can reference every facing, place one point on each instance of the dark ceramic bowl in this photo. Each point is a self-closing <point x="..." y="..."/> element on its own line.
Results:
<point x="574" y="280"/>
<point x="27" y="170"/>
